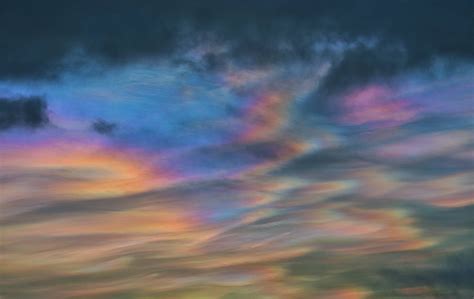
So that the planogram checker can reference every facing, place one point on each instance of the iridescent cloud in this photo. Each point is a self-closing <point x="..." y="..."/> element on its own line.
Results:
<point x="217" y="186"/>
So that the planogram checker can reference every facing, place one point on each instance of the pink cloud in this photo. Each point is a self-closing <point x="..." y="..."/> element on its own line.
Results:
<point x="376" y="104"/>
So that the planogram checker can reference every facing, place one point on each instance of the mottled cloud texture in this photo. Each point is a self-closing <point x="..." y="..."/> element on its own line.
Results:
<point x="236" y="149"/>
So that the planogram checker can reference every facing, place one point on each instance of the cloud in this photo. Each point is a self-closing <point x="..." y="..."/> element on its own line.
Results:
<point x="41" y="36"/>
<point x="104" y="127"/>
<point x="253" y="149"/>
<point x="324" y="163"/>
<point x="450" y="279"/>
<point x="30" y="112"/>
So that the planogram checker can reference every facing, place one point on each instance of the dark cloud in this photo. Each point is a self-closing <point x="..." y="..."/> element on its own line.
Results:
<point x="104" y="127"/>
<point x="441" y="219"/>
<point x="452" y="278"/>
<point x="432" y="167"/>
<point x="362" y="64"/>
<point x="234" y="156"/>
<point x="37" y="36"/>
<point x="23" y="112"/>
<point x="325" y="163"/>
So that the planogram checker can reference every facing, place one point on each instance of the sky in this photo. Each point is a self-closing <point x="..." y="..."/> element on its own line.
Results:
<point x="237" y="149"/>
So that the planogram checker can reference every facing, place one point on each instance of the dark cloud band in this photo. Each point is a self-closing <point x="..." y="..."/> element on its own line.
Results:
<point x="37" y="37"/>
